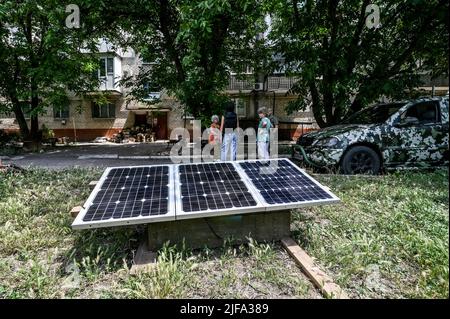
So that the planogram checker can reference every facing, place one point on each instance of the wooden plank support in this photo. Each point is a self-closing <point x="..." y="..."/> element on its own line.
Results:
<point x="74" y="212"/>
<point x="92" y="184"/>
<point x="144" y="260"/>
<point x="317" y="276"/>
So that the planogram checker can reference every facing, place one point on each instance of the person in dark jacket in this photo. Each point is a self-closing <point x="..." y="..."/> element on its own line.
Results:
<point x="229" y="123"/>
<point x="273" y="119"/>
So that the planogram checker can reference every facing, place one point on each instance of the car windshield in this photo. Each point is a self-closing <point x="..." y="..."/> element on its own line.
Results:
<point x="374" y="115"/>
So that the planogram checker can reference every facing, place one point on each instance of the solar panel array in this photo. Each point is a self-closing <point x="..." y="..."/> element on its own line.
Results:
<point x="143" y="194"/>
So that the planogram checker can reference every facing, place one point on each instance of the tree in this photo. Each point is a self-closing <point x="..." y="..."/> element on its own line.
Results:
<point x="42" y="60"/>
<point x="194" y="45"/>
<point x="343" y="65"/>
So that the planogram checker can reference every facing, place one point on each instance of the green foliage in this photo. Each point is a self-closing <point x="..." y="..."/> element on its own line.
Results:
<point x="47" y="133"/>
<point x="41" y="58"/>
<point x="335" y="56"/>
<point x="193" y="46"/>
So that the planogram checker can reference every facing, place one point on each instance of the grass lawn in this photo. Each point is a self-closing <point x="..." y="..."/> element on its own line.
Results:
<point x="388" y="238"/>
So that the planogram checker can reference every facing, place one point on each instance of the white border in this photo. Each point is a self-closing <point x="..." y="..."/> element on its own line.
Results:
<point x="271" y="207"/>
<point x="78" y="223"/>
<point x="180" y="214"/>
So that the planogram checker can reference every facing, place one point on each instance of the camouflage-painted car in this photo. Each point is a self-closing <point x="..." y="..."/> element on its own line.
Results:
<point x="394" y="135"/>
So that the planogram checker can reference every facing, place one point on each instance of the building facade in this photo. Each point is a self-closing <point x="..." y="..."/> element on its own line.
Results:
<point x="84" y="120"/>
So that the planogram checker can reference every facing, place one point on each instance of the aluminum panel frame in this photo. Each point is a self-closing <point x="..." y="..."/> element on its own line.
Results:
<point x="78" y="223"/>
<point x="282" y="206"/>
<point x="180" y="214"/>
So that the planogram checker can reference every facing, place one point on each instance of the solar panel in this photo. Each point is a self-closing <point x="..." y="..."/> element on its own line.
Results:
<point x="129" y="195"/>
<point x="145" y="194"/>
<point x="211" y="189"/>
<point x="281" y="184"/>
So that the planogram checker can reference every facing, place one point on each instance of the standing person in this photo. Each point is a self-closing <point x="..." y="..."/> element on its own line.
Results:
<point x="214" y="135"/>
<point x="263" y="134"/>
<point x="273" y="119"/>
<point x="229" y="123"/>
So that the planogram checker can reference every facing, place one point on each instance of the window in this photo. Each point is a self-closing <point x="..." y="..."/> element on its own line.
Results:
<point x="151" y="92"/>
<point x="425" y="112"/>
<point x="240" y="107"/>
<point x="61" y="112"/>
<point x="110" y="66"/>
<point x="106" y="67"/>
<point x="374" y="115"/>
<point x="103" y="111"/>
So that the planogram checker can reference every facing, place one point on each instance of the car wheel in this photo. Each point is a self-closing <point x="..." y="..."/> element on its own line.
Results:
<point x="361" y="160"/>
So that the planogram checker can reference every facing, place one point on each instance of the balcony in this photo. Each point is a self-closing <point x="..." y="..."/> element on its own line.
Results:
<point x="110" y="73"/>
<point x="109" y="83"/>
<point x="282" y="83"/>
<point x="441" y="81"/>
<point x="274" y="83"/>
<point x="246" y="84"/>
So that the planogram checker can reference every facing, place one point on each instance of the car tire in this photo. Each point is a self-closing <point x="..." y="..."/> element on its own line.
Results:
<point x="360" y="160"/>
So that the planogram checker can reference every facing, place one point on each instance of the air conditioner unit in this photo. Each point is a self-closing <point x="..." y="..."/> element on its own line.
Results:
<point x="259" y="86"/>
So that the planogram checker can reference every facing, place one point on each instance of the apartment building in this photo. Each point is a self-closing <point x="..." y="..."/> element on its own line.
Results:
<point x="84" y="120"/>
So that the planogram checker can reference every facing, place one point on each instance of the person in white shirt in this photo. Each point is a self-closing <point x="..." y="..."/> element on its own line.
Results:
<point x="263" y="136"/>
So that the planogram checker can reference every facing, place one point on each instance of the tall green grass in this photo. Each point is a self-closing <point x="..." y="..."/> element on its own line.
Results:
<point x="388" y="238"/>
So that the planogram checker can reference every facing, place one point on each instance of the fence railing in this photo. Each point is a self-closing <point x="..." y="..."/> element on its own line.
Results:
<point x="235" y="84"/>
<point x="439" y="81"/>
<point x="285" y="83"/>
<point x="273" y="83"/>
<point x="280" y="82"/>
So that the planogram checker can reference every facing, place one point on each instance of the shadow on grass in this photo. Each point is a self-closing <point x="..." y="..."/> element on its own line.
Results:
<point x="102" y="250"/>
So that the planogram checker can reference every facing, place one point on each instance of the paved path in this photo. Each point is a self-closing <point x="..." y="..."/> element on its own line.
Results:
<point x="93" y="156"/>
<point x="88" y="155"/>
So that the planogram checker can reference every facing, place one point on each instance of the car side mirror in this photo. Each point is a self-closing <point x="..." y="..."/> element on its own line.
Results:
<point x="408" y="121"/>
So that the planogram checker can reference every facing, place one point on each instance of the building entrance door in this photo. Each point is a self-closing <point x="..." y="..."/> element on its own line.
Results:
<point x="160" y="125"/>
<point x="140" y="119"/>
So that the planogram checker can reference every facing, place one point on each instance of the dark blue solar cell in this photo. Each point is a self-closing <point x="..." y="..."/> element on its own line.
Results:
<point x="131" y="192"/>
<point x="283" y="183"/>
<point x="214" y="186"/>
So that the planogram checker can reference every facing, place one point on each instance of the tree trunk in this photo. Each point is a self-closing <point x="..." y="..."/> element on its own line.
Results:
<point x="33" y="140"/>
<point x="316" y="105"/>
<point x="356" y="105"/>
<point x="328" y="103"/>
<point x="34" y="130"/>
<point x="18" y="113"/>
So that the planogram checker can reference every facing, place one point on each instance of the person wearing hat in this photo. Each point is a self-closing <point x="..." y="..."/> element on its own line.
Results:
<point x="263" y="134"/>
